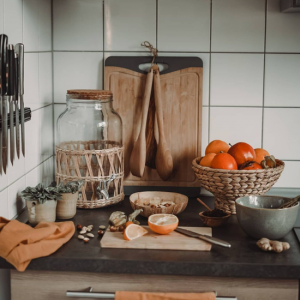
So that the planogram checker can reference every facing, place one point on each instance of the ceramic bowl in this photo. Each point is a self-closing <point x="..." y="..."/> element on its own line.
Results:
<point x="213" y="221"/>
<point x="260" y="217"/>
<point x="180" y="202"/>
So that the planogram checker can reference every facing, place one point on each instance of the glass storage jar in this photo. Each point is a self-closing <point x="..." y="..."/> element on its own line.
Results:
<point x="89" y="147"/>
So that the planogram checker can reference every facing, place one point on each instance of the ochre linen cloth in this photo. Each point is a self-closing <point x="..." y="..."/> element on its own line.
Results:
<point x="164" y="296"/>
<point x="20" y="243"/>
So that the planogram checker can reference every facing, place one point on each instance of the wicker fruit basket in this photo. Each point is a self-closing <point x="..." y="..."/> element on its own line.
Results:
<point x="228" y="185"/>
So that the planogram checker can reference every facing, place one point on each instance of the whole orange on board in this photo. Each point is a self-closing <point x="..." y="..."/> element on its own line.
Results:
<point x="207" y="159"/>
<point x="216" y="146"/>
<point x="224" y="161"/>
<point x="260" y="154"/>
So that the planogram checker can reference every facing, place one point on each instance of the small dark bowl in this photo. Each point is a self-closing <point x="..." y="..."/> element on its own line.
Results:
<point x="213" y="221"/>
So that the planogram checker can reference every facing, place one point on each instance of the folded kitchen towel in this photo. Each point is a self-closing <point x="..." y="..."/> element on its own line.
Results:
<point x="164" y="296"/>
<point x="20" y="243"/>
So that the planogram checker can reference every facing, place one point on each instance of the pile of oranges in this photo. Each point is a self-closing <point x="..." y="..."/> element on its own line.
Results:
<point x="240" y="156"/>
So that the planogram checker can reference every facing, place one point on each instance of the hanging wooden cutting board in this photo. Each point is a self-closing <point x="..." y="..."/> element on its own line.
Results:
<point x="181" y="86"/>
<point x="152" y="240"/>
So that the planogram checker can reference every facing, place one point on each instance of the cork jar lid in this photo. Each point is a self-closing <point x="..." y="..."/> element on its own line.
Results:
<point x="90" y="94"/>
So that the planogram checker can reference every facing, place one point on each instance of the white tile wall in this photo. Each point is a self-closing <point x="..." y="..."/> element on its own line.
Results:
<point x="237" y="79"/>
<point x="283" y="34"/>
<point x="76" y="70"/>
<point x="290" y="177"/>
<point x="13" y="19"/>
<point x="37" y="25"/>
<point x="128" y="23"/>
<point x="282" y="80"/>
<point x="236" y="124"/>
<point x="281" y="132"/>
<point x="1" y="15"/>
<point x="30" y="22"/>
<point x="183" y="25"/>
<point x="84" y="28"/>
<point x="238" y="25"/>
<point x="3" y="204"/>
<point x="15" y="201"/>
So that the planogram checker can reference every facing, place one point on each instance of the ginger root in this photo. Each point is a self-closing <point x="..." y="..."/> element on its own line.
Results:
<point x="276" y="246"/>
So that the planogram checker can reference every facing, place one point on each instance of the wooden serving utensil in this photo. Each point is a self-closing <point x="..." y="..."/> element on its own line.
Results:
<point x="200" y="201"/>
<point x="291" y="203"/>
<point x="163" y="160"/>
<point x="138" y="154"/>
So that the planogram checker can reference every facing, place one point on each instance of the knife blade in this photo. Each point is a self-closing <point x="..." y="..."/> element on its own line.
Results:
<point x="4" y="141"/>
<point x="20" y="51"/>
<point x="17" y="104"/>
<point x="1" y="51"/>
<point x="204" y="237"/>
<point x="11" y="94"/>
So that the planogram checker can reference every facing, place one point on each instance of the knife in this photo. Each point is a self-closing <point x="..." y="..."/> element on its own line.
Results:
<point x="20" y="51"/>
<point x="17" y="105"/>
<point x="3" y="104"/>
<point x="11" y="95"/>
<point x="204" y="237"/>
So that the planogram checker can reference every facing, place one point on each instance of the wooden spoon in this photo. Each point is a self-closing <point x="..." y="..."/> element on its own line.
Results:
<point x="163" y="160"/>
<point x="138" y="154"/>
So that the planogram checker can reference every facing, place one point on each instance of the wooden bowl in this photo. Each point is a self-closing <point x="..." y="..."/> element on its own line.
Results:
<point x="180" y="201"/>
<point x="213" y="221"/>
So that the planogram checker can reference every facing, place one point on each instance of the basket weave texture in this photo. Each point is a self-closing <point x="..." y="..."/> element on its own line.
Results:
<point x="228" y="185"/>
<point x="77" y="160"/>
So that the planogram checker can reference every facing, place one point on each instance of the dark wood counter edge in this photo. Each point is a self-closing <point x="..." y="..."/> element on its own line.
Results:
<point x="150" y="267"/>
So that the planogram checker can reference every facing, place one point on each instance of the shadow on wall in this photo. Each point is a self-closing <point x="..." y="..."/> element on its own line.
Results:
<point x="4" y="284"/>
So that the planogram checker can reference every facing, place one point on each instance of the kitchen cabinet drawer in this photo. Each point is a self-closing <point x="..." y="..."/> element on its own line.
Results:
<point x="46" y="285"/>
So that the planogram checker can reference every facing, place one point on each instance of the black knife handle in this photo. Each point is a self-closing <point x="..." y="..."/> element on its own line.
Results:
<point x="3" y="49"/>
<point x="11" y="70"/>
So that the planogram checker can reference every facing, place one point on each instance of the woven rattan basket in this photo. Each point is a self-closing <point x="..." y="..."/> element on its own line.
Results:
<point x="228" y="185"/>
<point x="81" y="161"/>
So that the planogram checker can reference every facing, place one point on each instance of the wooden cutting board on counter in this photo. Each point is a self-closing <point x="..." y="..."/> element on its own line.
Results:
<point x="171" y="241"/>
<point x="181" y="86"/>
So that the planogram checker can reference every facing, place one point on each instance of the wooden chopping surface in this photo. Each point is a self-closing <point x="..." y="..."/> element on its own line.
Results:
<point x="182" y="113"/>
<point x="152" y="240"/>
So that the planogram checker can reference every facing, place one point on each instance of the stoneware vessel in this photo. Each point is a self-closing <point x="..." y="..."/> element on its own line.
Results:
<point x="41" y="212"/>
<point x="66" y="207"/>
<point x="260" y="217"/>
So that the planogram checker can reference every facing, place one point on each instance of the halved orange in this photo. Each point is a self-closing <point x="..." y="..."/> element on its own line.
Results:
<point x="163" y="223"/>
<point x="133" y="231"/>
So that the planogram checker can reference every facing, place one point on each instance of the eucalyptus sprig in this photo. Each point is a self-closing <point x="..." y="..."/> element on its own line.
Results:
<point x="69" y="187"/>
<point x="40" y="193"/>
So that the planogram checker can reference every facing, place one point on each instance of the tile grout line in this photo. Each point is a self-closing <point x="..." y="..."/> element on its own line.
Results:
<point x="53" y="115"/>
<point x="103" y="42"/>
<point x="156" y="32"/>
<point x="264" y="75"/>
<point x="170" y="51"/>
<point x="26" y="173"/>
<point x="209" y="79"/>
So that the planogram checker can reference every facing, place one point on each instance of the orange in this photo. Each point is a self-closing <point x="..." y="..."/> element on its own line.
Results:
<point x="242" y="152"/>
<point x="260" y="154"/>
<point x="216" y="146"/>
<point x="206" y="160"/>
<point x="163" y="223"/>
<point x="224" y="161"/>
<point x="134" y="231"/>
<point x="128" y="223"/>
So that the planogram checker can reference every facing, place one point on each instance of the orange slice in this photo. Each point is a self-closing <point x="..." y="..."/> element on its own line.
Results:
<point x="134" y="231"/>
<point x="163" y="223"/>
